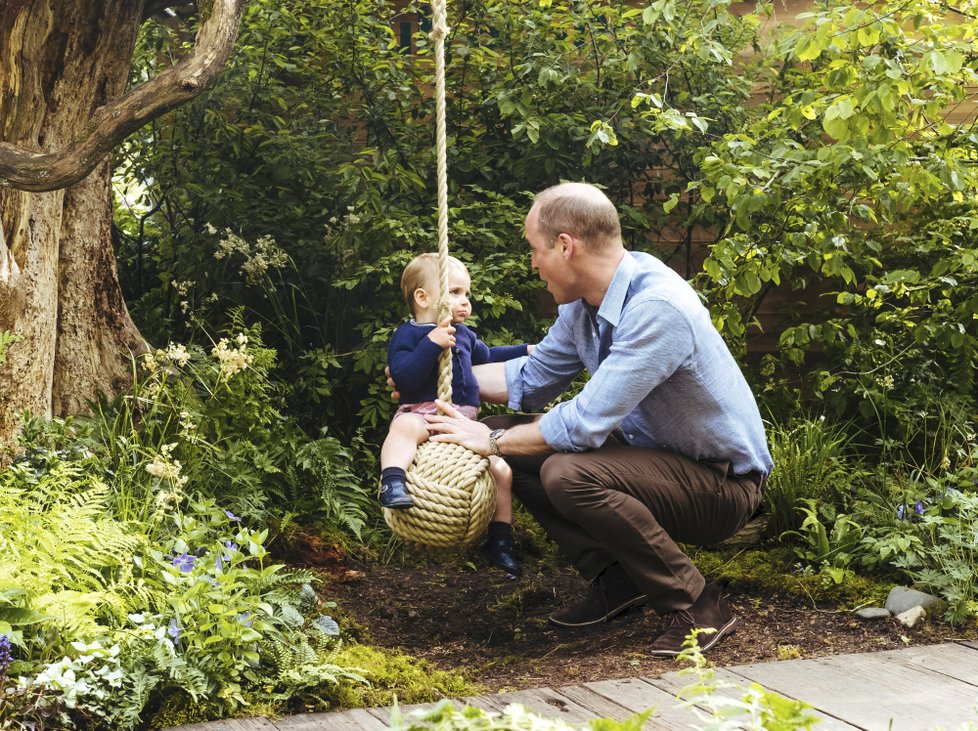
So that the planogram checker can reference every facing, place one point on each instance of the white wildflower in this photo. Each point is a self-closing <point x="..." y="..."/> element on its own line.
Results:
<point x="231" y="359"/>
<point x="183" y="287"/>
<point x="149" y="363"/>
<point x="187" y="423"/>
<point x="230" y="244"/>
<point x="164" y="467"/>
<point x="209" y="227"/>
<point x="177" y="353"/>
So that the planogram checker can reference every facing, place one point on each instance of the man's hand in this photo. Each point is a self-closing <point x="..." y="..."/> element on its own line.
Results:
<point x="450" y="426"/>
<point x="443" y="334"/>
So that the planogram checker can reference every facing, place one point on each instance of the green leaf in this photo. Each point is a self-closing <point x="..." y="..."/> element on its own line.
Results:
<point x="668" y="205"/>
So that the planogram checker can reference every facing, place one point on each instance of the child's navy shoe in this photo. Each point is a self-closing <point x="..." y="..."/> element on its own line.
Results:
<point x="394" y="494"/>
<point x="498" y="550"/>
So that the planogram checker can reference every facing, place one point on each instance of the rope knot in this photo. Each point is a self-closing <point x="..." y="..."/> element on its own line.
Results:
<point x="439" y="32"/>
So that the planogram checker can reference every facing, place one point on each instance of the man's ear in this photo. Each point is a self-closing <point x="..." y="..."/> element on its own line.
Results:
<point x="567" y="244"/>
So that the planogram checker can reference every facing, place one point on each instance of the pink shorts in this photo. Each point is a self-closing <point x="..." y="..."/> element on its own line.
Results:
<point x="429" y="407"/>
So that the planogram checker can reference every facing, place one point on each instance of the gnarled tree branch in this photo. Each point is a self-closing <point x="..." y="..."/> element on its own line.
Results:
<point x="33" y="171"/>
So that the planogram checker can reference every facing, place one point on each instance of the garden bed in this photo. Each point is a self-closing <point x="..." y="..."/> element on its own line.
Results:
<point x="493" y="629"/>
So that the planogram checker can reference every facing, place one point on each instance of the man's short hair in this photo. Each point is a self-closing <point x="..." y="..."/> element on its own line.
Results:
<point x="578" y="209"/>
<point x="422" y="273"/>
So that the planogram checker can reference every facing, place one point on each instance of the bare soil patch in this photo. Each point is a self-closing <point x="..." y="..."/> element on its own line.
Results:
<point x="474" y="619"/>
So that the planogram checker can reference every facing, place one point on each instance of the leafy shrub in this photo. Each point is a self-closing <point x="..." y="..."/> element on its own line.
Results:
<point x="210" y="424"/>
<point x="132" y="584"/>
<point x="928" y="536"/>
<point x="809" y="464"/>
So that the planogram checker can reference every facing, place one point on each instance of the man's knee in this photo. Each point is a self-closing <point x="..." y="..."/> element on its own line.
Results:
<point x="565" y="482"/>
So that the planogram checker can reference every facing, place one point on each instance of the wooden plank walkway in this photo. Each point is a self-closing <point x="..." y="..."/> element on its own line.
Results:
<point x="913" y="689"/>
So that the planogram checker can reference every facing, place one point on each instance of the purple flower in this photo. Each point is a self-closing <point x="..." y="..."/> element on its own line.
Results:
<point x="901" y="511"/>
<point x="245" y="618"/>
<point x="5" y="654"/>
<point x="919" y="507"/>
<point x="232" y="516"/>
<point x="174" y="631"/>
<point x="184" y="562"/>
<point x="223" y="558"/>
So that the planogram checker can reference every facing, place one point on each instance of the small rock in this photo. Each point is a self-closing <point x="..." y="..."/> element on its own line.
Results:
<point x="901" y="599"/>
<point x="913" y="615"/>
<point x="873" y="613"/>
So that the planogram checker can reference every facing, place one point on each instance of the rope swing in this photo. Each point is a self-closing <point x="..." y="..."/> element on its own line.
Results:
<point x="453" y="490"/>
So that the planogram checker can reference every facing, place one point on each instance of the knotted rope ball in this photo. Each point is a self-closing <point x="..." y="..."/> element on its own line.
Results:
<point x="453" y="490"/>
<point x="454" y="497"/>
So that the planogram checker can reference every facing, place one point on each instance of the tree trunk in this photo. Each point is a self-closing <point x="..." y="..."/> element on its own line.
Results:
<point x="60" y="60"/>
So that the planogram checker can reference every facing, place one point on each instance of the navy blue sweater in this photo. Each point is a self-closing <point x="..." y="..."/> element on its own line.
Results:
<point x="413" y="360"/>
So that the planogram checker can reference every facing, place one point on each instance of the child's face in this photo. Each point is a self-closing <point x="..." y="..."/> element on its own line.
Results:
<point x="459" y="289"/>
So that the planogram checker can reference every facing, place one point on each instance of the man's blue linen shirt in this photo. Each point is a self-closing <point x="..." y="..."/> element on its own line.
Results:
<point x="666" y="377"/>
<point x="413" y="360"/>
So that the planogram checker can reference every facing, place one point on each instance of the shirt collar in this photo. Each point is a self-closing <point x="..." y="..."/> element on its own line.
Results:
<point x="614" y="298"/>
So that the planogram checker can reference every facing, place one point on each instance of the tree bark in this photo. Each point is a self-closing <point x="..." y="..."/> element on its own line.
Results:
<point x="64" y="66"/>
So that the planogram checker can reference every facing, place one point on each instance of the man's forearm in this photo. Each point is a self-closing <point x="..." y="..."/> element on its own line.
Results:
<point x="492" y="382"/>
<point x="523" y="440"/>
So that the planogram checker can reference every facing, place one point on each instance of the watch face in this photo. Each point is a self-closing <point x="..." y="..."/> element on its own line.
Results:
<point x="496" y="433"/>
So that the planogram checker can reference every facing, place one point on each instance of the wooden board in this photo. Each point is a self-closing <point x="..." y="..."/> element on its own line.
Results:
<point x="259" y="723"/>
<point x="600" y="706"/>
<point x="543" y="701"/>
<point x="384" y="714"/>
<point x="950" y="659"/>
<point x="355" y="720"/>
<point x="872" y="691"/>
<point x="637" y="694"/>
<point x="674" y="683"/>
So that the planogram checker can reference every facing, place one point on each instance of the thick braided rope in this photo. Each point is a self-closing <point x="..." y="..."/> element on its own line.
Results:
<point x="452" y="488"/>
<point x="439" y="31"/>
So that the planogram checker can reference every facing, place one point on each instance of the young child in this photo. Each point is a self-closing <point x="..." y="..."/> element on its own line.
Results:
<point x="413" y="359"/>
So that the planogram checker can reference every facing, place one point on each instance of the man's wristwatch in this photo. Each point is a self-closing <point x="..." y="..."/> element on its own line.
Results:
<point x="493" y="447"/>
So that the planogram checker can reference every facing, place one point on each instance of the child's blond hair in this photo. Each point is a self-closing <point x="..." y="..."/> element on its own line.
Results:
<point x="422" y="273"/>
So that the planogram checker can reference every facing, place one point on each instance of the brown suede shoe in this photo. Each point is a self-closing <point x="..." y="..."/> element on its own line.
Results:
<point x="709" y="611"/>
<point x="611" y="593"/>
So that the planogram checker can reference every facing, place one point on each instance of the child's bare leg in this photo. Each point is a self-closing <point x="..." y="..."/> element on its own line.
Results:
<point x="405" y="434"/>
<point x="503" y="475"/>
<point x="498" y="547"/>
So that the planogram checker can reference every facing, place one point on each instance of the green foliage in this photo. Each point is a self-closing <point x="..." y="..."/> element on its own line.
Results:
<point x="210" y="423"/>
<point x="107" y="617"/>
<point x="66" y="559"/>
<point x="848" y="185"/>
<point x="133" y="583"/>
<point x="809" y="463"/>
<point x="928" y="535"/>
<point x="393" y="677"/>
<point x="776" y="571"/>
<point x="319" y="135"/>
<point x="828" y="539"/>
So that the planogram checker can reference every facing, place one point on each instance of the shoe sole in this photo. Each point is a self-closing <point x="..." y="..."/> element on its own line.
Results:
<point x="399" y="505"/>
<point x="727" y="629"/>
<point x="612" y="613"/>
